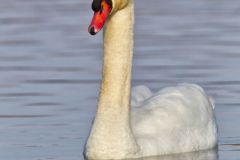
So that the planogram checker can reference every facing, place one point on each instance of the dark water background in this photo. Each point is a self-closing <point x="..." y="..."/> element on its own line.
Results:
<point x="50" y="69"/>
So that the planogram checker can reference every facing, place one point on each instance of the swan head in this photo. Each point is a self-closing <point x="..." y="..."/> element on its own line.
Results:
<point x="103" y="9"/>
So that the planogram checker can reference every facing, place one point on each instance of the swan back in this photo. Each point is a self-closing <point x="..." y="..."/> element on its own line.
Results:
<point x="175" y="119"/>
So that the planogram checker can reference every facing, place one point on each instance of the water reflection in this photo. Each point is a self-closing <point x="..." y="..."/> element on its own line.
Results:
<point x="201" y="155"/>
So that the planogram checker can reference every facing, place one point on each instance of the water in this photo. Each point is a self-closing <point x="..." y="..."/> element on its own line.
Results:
<point x="50" y="70"/>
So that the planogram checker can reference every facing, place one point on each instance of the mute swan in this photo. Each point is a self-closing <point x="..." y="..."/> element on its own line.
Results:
<point x="173" y="120"/>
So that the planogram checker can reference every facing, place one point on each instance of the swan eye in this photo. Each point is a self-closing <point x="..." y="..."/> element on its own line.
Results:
<point x="101" y="9"/>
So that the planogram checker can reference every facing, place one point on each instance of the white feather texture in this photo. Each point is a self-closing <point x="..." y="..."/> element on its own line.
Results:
<point x="173" y="120"/>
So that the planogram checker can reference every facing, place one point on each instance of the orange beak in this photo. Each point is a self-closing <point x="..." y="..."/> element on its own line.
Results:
<point x="99" y="18"/>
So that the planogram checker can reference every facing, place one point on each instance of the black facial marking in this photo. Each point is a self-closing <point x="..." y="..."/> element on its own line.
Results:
<point x="96" y="4"/>
<point x="109" y="2"/>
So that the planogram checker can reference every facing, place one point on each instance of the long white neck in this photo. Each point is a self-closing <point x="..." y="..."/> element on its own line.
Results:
<point x="111" y="135"/>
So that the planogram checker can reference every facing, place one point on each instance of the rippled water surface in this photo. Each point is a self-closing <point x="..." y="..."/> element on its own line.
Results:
<point x="50" y="70"/>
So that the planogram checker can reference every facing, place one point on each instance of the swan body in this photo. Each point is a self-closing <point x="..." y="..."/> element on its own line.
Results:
<point x="173" y="120"/>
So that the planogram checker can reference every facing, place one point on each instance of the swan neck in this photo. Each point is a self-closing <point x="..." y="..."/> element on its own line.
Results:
<point x="113" y="105"/>
<point x="111" y="134"/>
<point x="118" y="51"/>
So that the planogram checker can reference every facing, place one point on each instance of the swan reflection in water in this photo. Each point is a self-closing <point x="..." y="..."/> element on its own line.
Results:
<point x="199" y="155"/>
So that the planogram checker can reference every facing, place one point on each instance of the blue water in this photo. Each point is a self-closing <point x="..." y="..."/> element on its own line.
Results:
<point x="51" y="67"/>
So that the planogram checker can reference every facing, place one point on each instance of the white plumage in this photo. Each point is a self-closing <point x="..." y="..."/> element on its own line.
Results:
<point x="173" y="120"/>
